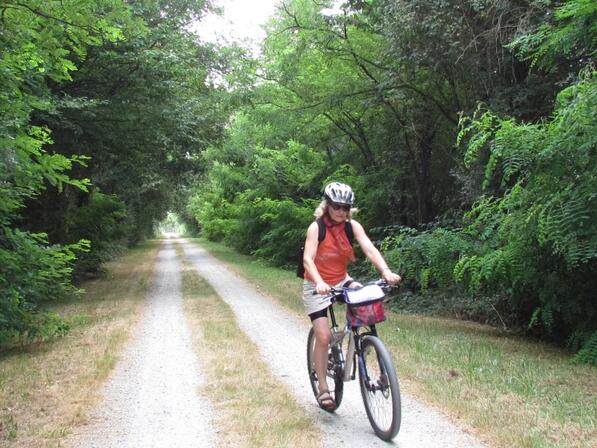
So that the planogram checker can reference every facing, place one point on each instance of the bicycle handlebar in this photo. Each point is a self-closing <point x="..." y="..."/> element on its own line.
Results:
<point x="338" y="293"/>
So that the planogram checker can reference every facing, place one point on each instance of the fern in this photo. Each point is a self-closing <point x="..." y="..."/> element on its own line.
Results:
<point x="568" y="222"/>
<point x="479" y="131"/>
<point x="588" y="353"/>
<point x="537" y="240"/>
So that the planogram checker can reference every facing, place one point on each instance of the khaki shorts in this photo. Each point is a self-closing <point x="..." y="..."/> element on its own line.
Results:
<point x="314" y="302"/>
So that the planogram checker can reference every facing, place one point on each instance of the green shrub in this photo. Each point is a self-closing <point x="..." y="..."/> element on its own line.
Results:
<point x="32" y="273"/>
<point x="426" y="259"/>
<point x="245" y="200"/>
<point x="588" y="353"/>
<point x="104" y="222"/>
<point x="285" y="227"/>
<point x="538" y="241"/>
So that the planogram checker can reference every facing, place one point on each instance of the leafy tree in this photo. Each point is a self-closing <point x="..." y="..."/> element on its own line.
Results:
<point x="246" y="195"/>
<point x="530" y="237"/>
<point x="151" y="92"/>
<point x="106" y="92"/>
<point x="40" y="43"/>
<point x="381" y="84"/>
<point x="565" y="44"/>
<point x="378" y="93"/>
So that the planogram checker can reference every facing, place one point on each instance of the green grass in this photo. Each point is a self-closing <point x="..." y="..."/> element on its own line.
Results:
<point x="509" y="391"/>
<point x="517" y="392"/>
<point x="47" y="388"/>
<point x="252" y="408"/>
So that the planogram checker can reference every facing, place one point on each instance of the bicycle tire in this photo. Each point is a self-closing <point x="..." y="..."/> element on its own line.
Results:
<point x="379" y="388"/>
<point x="334" y="372"/>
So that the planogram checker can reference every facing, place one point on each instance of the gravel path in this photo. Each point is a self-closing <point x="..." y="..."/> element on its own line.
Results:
<point x="151" y="398"/>
<point x="281" y="339"/>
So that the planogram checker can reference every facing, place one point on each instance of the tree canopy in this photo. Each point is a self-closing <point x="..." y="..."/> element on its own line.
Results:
<point x="104" y="104"/>
<point x="466" y="128"/>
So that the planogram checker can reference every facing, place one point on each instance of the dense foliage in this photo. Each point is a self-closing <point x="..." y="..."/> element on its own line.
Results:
<point x="467" y="130"/>
<point x="536" y="244"/>
<point x="103" y="104"/>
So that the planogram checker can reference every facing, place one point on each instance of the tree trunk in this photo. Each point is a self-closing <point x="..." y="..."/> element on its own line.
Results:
<point x="425" y="209"/>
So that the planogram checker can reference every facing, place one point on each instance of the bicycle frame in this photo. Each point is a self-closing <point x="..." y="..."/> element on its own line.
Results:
<point x="366" y="352"/>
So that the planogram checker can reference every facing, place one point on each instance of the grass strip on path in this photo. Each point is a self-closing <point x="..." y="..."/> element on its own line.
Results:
<point x="509" y="391"/>
<point x="252" y="408"/>
<point x="47" y="389"/>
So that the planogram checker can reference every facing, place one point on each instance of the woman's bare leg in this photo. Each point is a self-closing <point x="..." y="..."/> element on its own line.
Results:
<point x="320" y="351"/>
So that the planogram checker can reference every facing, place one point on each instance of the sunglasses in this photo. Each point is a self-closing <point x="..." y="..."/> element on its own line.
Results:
<point x="337" y="207"/>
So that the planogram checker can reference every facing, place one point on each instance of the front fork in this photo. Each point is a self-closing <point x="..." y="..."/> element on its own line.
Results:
<point x="362" y="365"/>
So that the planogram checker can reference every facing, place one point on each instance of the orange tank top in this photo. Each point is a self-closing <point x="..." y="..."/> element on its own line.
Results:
<point x="330" y="262"/>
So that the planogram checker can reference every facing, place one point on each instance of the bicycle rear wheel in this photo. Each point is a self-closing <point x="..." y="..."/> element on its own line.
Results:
<point x="334" y="371"/>
<point x="379" y="388"/>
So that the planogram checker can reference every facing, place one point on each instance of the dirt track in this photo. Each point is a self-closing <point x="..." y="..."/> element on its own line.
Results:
<point x="153" y="399"/>
<point x="281" y="339"/>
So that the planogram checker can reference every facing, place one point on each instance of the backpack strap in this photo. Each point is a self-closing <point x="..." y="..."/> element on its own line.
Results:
<point x="322" y="231"/>
<point x="349" y="232"/>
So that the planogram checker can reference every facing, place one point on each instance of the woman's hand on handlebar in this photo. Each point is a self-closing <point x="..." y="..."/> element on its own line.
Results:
<point x="322" y="288"/>
<point x="391" y="278"/>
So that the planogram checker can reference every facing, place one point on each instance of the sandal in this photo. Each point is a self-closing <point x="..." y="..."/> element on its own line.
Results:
<point x="325" y="400"/>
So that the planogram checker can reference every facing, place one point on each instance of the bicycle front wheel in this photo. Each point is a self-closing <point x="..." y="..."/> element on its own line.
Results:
<point x="334" y="371"/>
<point x="379" y="388"/>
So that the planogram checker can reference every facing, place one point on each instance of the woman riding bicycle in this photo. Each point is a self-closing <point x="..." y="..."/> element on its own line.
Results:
<point x="326" y="264"/>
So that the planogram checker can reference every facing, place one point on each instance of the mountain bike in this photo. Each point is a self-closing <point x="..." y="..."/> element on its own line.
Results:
<point x="357" y="346"/>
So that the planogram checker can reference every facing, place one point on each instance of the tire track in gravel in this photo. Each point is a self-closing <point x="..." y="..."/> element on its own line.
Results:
<point x="151" y="399"/>
<point x="281" y="339"/>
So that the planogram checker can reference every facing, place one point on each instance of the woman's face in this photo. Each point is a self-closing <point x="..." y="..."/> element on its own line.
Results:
<point x="338" y="212"/>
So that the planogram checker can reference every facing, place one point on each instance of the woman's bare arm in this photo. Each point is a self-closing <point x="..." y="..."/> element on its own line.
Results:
<point x="311" y="244"/>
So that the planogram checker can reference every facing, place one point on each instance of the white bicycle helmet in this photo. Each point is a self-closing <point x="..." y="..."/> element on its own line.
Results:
<point x="338" y="193"/>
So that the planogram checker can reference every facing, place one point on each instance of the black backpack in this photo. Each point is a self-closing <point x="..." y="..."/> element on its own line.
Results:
<point x="300" y="269"/>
